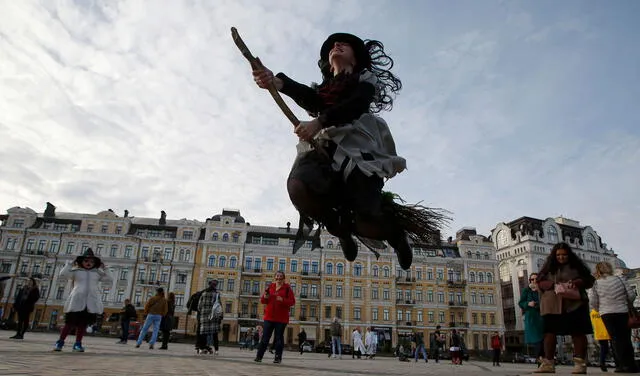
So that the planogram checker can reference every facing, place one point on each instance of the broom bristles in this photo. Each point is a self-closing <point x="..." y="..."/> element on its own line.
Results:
<point x="423" y="224"/>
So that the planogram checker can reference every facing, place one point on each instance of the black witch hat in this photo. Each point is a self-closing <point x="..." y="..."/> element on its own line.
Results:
<point x="88" y="253"/>
<point x="360" y="51"/>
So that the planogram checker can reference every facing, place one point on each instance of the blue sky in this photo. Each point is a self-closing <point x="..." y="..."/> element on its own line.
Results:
<point x="508" y="108"/>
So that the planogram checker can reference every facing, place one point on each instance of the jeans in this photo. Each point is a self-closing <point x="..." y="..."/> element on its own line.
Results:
<point x="125" y="330"/>
<point x="151" y="319"/>
<point x="336" y="344"/>
<point x="212" y="340"/>
<point x="268" y="329"/>
<point x="616" y="324"/>
<point x="420" y="348"/>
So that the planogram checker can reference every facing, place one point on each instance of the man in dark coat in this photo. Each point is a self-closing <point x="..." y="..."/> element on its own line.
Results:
<point x="127" y="313"/>
<point x="24" y="304"/>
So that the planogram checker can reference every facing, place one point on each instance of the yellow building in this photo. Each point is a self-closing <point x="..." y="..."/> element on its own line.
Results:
<point x="452" y="286"/>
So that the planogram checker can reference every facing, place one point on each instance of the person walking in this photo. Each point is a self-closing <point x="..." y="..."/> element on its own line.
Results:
<point x="371" y="343"/>
<point x="166" y="325"/>
<point x="601" y="335"/>
<point x="155" y="308"/>
<point x="419" y="341"/>
<point x="302" y="338"/>
<point x="496" y="346"/>
<point x="533" y="325"/>
<point x="127" y="313"/>
<point x="278" y="298"/>
<point x="83" y="304"/>
<point x="211" y="316"/>
<point x="611" y="296"/>
<point x="24" y="304"/>
<point x="336" y="338"/>
<point x="436" y="344"/>
<point x="358" y="345"/>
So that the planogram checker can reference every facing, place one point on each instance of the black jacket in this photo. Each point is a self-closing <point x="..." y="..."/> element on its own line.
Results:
<point x="26" y="299"/>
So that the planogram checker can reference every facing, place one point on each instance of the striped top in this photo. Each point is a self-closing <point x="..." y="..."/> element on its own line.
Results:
<point x="608" y="295"/>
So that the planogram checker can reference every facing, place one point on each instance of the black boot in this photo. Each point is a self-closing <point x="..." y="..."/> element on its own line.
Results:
<point x="400" y="243"/>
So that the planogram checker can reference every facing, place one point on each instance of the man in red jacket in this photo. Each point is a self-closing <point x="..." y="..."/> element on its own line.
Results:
<point x="278" y="298"/>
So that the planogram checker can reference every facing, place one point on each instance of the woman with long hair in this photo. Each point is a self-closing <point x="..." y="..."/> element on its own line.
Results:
<point x="339" y="182"/>
<point x="533" y="325"/>
<point x="609" y="296"/>
<point x="564" y="305"/>
<point x="167" y="320"/>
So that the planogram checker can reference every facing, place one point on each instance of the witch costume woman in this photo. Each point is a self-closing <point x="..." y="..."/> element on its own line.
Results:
<point x="83" y="304"/>
<point x="338" y="182"/>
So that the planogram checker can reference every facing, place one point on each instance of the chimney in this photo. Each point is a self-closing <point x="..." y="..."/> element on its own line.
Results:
<point x="126" y="213"/>
<point x="288" y="226"/>
<point x="50" y="210"/>
<point x="163" y="218"/>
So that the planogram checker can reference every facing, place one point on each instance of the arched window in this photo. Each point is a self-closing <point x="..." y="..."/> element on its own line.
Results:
<point x="214" y="237"/>
<point x="225" y="237"/>
<point x="486" y="255"/>
<point x="478" y="255"/>
<point x="357" y="270"/>
<point x="385" y="272"/>
<point x="328" y="269"/>
<point x="469" y="254"/>
<point x="212" y="261"/>
<point x="591" y="242"/>
<point x="339" y="269"/>
<point x="489" y="277"/>
<point x="236" y="237"/>
<point x="329" y="244"/>
<point x="481" y="277"/>
<point x="232" y="262"/>
<point x="375" y="271"/>
<point x="222" y="262"/>
<point x="187" y="255"/>
<point x="472" y="277"/>
<point x="552" y="234"/>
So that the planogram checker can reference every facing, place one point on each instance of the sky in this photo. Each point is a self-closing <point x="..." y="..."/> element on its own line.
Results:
<point x="508" y="108"/>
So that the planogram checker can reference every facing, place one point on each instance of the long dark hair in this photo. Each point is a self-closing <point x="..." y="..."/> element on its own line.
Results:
<point x="375" y="59"/>
<point x="552" y="265"/>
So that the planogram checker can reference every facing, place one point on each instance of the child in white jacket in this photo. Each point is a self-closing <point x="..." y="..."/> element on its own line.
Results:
<point x="83" y="304"/>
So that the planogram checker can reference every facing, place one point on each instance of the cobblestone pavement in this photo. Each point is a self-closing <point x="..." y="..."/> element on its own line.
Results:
<point x="33" y="356"/>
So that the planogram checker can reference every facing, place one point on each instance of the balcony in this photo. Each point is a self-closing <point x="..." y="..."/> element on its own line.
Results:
<point x="405" y="302"/>
<point x="458" y="284"/>
<point x="405" y="280"/>
<point x="457" y="304"/>
<point x="251" y="271"/>
<point x="310" y="297"/>
<point x="458" y="324"/>
<point x="147" y="282"/>
<point x="310" y="275"/>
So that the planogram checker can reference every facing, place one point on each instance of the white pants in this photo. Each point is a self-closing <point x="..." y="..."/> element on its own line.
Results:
<point x="358" y="345"/>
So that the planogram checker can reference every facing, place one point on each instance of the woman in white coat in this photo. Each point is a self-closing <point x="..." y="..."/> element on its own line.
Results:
<point x="83" y="304"/>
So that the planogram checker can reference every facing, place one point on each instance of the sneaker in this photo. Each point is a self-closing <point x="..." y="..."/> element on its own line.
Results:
<point x="77" y="347"/>
<point x="349" y="248"/>
<point x="215" y="353"/>
<point x="334" y="356"/>
<point x="59" y="345"/>
<point x="150" y="347"/>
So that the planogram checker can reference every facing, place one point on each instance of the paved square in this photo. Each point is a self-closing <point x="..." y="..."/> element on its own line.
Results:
<point x="33" y="356"/>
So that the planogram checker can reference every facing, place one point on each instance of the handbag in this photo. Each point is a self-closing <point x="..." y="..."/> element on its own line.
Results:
<point x="634" y="317"/>
<point x="563" y="290"/>
<point x="216" y="310"/>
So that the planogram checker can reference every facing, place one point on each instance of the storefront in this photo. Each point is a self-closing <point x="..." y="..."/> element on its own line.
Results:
<point x="385" y="339"/>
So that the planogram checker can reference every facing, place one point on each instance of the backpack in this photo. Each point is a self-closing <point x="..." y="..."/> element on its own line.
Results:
<point x="192" y="303"/>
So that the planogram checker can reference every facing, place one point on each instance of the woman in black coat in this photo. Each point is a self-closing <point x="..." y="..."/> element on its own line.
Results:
<point x="24" y="304"/>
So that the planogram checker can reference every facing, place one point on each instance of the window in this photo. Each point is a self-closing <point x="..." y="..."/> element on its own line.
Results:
<point x="430" y="316"/>
<point x="385" y="314"/>
<point x="440" y="274"/>
<point x="60" y="293"/>
<point x="103" y="229"/>
<point x="327" y="312"/>
<point x="385" y="272"/>
<point x="339" y="269"/>
<point x="227" y="307"/>
<point x="231" y="284"/>
<point x="305" y="266"/>
<point x="99" y="249"/>
<point x="90" y="227"/>
<point x="328" y="269"/>
<point x="127" y="251"/>
<point x="282" y="265"/>
<point x="385" y="294"/>
<point x="440" y="297"/>
<point x="489" y="278"/>
<point x="270" y="264"/>
<point x="357" y="270"/>
<point x="328" y="291"/>
<point x="419" y="316"/>
<point x="179" y="300"/>
<point x="114" y="250"/>
<point x="429" y="275"/>
<point x="232" y="262"/>
<point x="374" y="293"/>
<point x="315" y="267"/>
<point x="11" y="243"/>
<point x="329" y="244"/>
<point x="441" y="317"/>
<point x="375" y="271"/>
<point x="339" y="291"/>
<point x="247" y="263"/>
<point x="490" y="297"/>
<point x="357" y="292"/>
<point x="118" y="229"/>
<point x="41" y="245"/>
<point x="225" y="237"/>
<point x="339" y="312"/>
<point x="294" y="266"/>
<point x="212" y="261"/>
<point x="474" y="318"/>
<point x="356" y="313"/>
<point x="481" y="277"/>
<point x="472" y="277"/>
<point x="591" y="242"/>
<point x="374" y="314"/>
<point x="18" y="223"/>
<point x="214" y="237"/>
<point x="399" y="315"/>
<point x="187" y="235"/>
<point x="124" y="273"/>
<point x="236" y="237"/>
<point x="483" y="318"/>
<point x="552" y="234"/>
<point x="30" y="244"/>
<point x="450" y="275"/>
<point x="222" y="262"/>
<point x="257" y="264"/>
<point x="105" y="295"/>
<point x="473" y="298"/>
<point x="314" y="291"/>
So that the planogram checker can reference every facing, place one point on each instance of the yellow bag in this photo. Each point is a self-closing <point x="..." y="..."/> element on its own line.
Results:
<point x="599" y="330"/>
